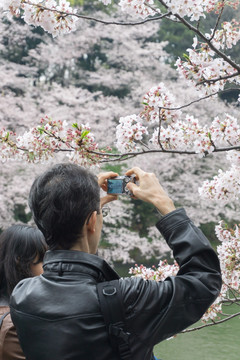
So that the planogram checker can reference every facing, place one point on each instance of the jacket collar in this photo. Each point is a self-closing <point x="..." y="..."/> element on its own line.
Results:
<point x="78" y="257"/>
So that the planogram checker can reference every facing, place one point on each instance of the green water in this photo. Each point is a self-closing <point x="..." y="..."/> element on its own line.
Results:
<point x="218" y="342"/>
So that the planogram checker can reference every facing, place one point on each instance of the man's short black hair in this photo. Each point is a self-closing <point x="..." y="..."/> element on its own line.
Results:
<point x="61" y="199"/>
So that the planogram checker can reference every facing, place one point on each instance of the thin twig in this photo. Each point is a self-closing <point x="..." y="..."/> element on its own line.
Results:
<point x="151" y="7"/>
<point x="143" y="144"/>
<point x="159" y="128"/>
<point x="231" y="291"/>
<point x="223" y="314"/>
<point x="217" y="22"/>
<point x="58" y="138"/>
<point x="200" y="99"/>
<point x="120" y="158"/>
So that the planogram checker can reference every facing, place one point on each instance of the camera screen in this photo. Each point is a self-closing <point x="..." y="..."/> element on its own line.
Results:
<point x="115" y="186"/>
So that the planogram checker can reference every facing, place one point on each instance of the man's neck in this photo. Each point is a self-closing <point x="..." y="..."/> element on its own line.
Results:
<point x="81" y="245"/>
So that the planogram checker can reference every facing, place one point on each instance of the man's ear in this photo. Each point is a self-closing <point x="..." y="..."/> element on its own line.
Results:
<point x="91" y="226"/>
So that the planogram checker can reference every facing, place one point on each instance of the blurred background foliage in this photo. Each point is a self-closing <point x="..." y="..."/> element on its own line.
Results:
<point x="178" y="39"/>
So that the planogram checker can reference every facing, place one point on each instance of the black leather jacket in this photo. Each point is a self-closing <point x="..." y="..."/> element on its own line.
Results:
<point x="57" y="314"/>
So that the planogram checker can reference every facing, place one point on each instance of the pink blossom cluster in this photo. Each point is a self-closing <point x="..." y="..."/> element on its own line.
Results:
<point x="41" y="142"/>
<point x="207" y="73"/>
<point x="129" y="133"/>
<point x="225" y="131"/>
<point x="213" y="311"/>
<point x="156" y="98"/>
<point x="160" y="273"/>
<point x="185" y="135"/>
<point x="229" y="255"/>
<point x="11" y="5"/>
<point x="181" y="135"/>
<point x="51" y="15"/>
<point x="188" y="134"/>
<point x="228" y="36"/>
<point x="141" y="8"/>
<point x="224" y="187"/>
<point x="191" y="8"/>
<point x="231" y="3"/>
<point x="194" y="9"/>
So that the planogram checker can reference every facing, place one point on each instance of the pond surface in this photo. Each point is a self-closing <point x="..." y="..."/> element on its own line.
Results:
<point x="218" y="342"/>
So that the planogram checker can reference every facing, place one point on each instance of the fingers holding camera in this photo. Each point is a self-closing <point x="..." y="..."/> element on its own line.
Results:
<point x="102" y="179"/>
<point x="106" y="199"/>
<point x="148" y="186"/>
<point x="150" y="190"/>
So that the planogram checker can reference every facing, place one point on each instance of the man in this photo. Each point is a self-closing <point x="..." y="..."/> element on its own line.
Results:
<point x="58" y="316"/>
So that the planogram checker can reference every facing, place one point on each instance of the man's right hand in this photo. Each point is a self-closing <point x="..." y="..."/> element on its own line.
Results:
<point x="150" y="190"/>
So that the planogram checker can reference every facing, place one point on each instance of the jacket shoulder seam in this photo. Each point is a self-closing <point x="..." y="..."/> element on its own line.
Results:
<point x="56" y="319"/>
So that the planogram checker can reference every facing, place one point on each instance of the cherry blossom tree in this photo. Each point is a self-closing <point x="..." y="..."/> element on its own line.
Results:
<point x="162" y="126"/>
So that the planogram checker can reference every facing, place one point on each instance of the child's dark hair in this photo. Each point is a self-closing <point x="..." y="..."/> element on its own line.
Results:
<point x="19" y="246"/>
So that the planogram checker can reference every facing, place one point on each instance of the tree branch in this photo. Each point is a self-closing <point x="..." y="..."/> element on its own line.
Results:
<point x="208" y="41"/>
<point x="125" y="156"/>
<point x="85" y="17"/>
<point x="200" y="99"/>
<point x="212" y="81"/>
<point x="210" y="324"/>
<point x="120" y="158"/>
<point x="229" y="302"/>
<point x="166" y="151"/>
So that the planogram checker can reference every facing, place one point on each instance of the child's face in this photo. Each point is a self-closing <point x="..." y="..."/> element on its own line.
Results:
<point x="36" y="267"/>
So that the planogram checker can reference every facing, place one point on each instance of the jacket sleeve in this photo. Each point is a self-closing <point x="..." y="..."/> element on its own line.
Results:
<point x="158" y="310"/>
<point x="11" y="348"/>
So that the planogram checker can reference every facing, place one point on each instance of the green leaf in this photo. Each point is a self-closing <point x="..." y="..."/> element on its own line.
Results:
<point x="75" y="125"/>
<point x="84" y="133"/>
<point x="186" y="57"/>
<point x="41" y="130"/>
<point x="144" y="103"/>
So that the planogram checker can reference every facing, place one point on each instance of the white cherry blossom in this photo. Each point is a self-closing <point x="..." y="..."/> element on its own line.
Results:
<point x="141" y="8"/>
<point x="129" y="132"/>
<point x="53" y="20"/>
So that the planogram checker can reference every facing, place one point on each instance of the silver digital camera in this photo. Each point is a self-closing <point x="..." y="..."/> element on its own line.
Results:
<point x="118" y="185"/>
